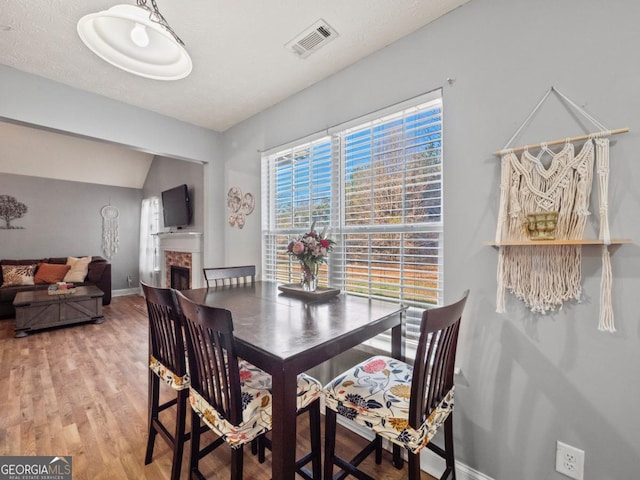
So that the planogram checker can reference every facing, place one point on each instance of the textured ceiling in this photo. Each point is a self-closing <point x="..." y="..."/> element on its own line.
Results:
<point x="237" y="46"/>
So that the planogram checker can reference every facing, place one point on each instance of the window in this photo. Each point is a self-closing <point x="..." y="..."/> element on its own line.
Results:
<point x="377" y="184"/>
<point x="149" y="252"/>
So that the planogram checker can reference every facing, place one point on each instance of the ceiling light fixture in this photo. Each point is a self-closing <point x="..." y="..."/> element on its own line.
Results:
<point x="137" y="39"/>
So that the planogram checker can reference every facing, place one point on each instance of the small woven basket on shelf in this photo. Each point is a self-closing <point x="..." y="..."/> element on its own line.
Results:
<point x="541" y="225"/>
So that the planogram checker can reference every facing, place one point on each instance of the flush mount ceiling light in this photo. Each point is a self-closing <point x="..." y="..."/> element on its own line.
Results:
<point x="137" y="39"/>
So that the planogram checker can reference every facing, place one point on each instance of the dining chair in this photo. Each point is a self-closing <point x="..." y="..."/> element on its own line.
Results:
<point x="167" y="365"/>
<point x="230" y="275"/>
<point x="404" y="404"/>
<point x="233" y="397"/>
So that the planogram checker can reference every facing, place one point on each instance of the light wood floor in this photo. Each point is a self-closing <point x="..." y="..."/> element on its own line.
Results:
<point x="82" y="391"/>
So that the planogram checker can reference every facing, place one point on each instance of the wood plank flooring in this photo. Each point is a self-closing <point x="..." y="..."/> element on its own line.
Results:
<point x="82" y="391"/>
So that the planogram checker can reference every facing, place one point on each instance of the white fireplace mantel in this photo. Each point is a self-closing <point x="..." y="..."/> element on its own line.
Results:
<point x="188" y="242"/>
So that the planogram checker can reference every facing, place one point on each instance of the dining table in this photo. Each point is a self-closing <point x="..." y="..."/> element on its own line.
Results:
<point x="285" y="334"/>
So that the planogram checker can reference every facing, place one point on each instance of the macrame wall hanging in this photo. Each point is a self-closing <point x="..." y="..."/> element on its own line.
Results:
<point x="546" y="276"/>
<point x="110" y="238"/>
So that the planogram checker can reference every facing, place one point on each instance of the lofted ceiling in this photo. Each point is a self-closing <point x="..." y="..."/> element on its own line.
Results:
<point x="40" y="153"/>
<point x="240" y="64"/>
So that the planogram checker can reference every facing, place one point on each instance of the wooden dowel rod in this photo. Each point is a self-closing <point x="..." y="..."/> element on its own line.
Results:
<point x="557" y="142"/>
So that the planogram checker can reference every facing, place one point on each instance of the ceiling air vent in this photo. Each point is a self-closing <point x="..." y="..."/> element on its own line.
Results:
<point x="313" y="38"/>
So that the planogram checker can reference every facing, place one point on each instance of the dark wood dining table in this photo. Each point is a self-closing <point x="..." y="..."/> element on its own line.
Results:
<point x="286" y="335"/>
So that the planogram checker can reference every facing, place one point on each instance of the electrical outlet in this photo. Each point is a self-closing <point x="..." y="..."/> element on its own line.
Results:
<point x="569" y="461"/>
<point x="129" y="280"/>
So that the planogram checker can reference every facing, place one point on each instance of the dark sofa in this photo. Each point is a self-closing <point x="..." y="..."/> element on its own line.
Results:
<point x="99" y="274"/>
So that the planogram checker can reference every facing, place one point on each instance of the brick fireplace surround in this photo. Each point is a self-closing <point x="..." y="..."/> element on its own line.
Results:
<point x="181" y="249"/>
<point x="177" y="259"/>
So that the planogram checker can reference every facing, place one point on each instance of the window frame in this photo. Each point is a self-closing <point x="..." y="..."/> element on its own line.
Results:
<point x="334" y="272"/>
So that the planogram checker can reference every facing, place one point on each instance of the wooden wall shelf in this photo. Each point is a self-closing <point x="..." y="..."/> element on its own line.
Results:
<point x="524" y="243"/>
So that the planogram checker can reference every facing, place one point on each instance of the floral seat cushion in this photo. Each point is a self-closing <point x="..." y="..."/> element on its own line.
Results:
<point x="174" y="381"/>
<point x="376" y="394"/>
<point x="257" y="414"/>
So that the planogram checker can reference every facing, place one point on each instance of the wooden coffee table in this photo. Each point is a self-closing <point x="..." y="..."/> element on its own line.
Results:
<point x="37" y="309"/>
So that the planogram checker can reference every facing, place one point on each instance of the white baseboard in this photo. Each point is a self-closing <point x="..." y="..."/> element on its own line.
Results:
<point x="465" y="472"/>
<point x="126" y="291"/>
<point x="430" y="462"/>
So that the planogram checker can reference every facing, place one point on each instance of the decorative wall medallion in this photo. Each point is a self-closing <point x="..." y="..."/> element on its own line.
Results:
<point x="239" y="206"/>
<point x="248" y="204"/>
<point x="10" y="209"/>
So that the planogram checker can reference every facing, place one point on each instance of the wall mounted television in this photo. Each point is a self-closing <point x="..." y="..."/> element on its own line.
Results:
<point x="176" y="208"/>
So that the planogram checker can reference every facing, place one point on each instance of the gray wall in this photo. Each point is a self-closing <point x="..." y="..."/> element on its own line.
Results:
<point x="63" y="219"/>
<point x="527" y="380"/>
<point x="165" y="173"/>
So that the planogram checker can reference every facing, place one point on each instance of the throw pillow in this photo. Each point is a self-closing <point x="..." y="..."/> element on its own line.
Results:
<point x="79" y="268"/>
<point x="50" y="272"/>
<point x="14" y="275"/>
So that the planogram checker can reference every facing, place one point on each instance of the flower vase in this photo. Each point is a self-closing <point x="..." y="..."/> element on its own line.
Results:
<point x="309" y="276"/>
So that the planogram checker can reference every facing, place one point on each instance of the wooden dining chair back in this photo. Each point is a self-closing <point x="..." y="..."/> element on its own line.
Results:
<point x="405" y="404"/>
<point x="167" y="365"/>
<point x="220" y="276"/>
<point x="230" y="395"/>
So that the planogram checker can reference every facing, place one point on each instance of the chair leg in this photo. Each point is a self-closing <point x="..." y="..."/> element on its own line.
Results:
<point x="179" y="437"/>
<point x="413" y="463"/>
<point x="154" y="402"/>
<point x="448" y="446"/>
<point x="329" y="443"/>
<point x="316" y="445"/>
<point x="236" y="463"/>
<point x="378" y="441"/>
<point x="262" y="445"/>
<point x="195" y="445"/>
<point x="397" y="461"/>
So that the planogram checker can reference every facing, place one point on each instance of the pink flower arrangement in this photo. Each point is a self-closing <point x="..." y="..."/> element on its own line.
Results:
<point x="311" y="249"/>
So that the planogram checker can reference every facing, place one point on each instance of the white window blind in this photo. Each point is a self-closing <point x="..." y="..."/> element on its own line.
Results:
<point x="377" y="185"/>
<point x="296" y="189"/>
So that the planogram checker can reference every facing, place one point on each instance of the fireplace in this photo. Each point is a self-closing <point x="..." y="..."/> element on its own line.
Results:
<point x="181" y="250"/>
<point x="177" y="259"/>
<point x="180" y="277"/>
